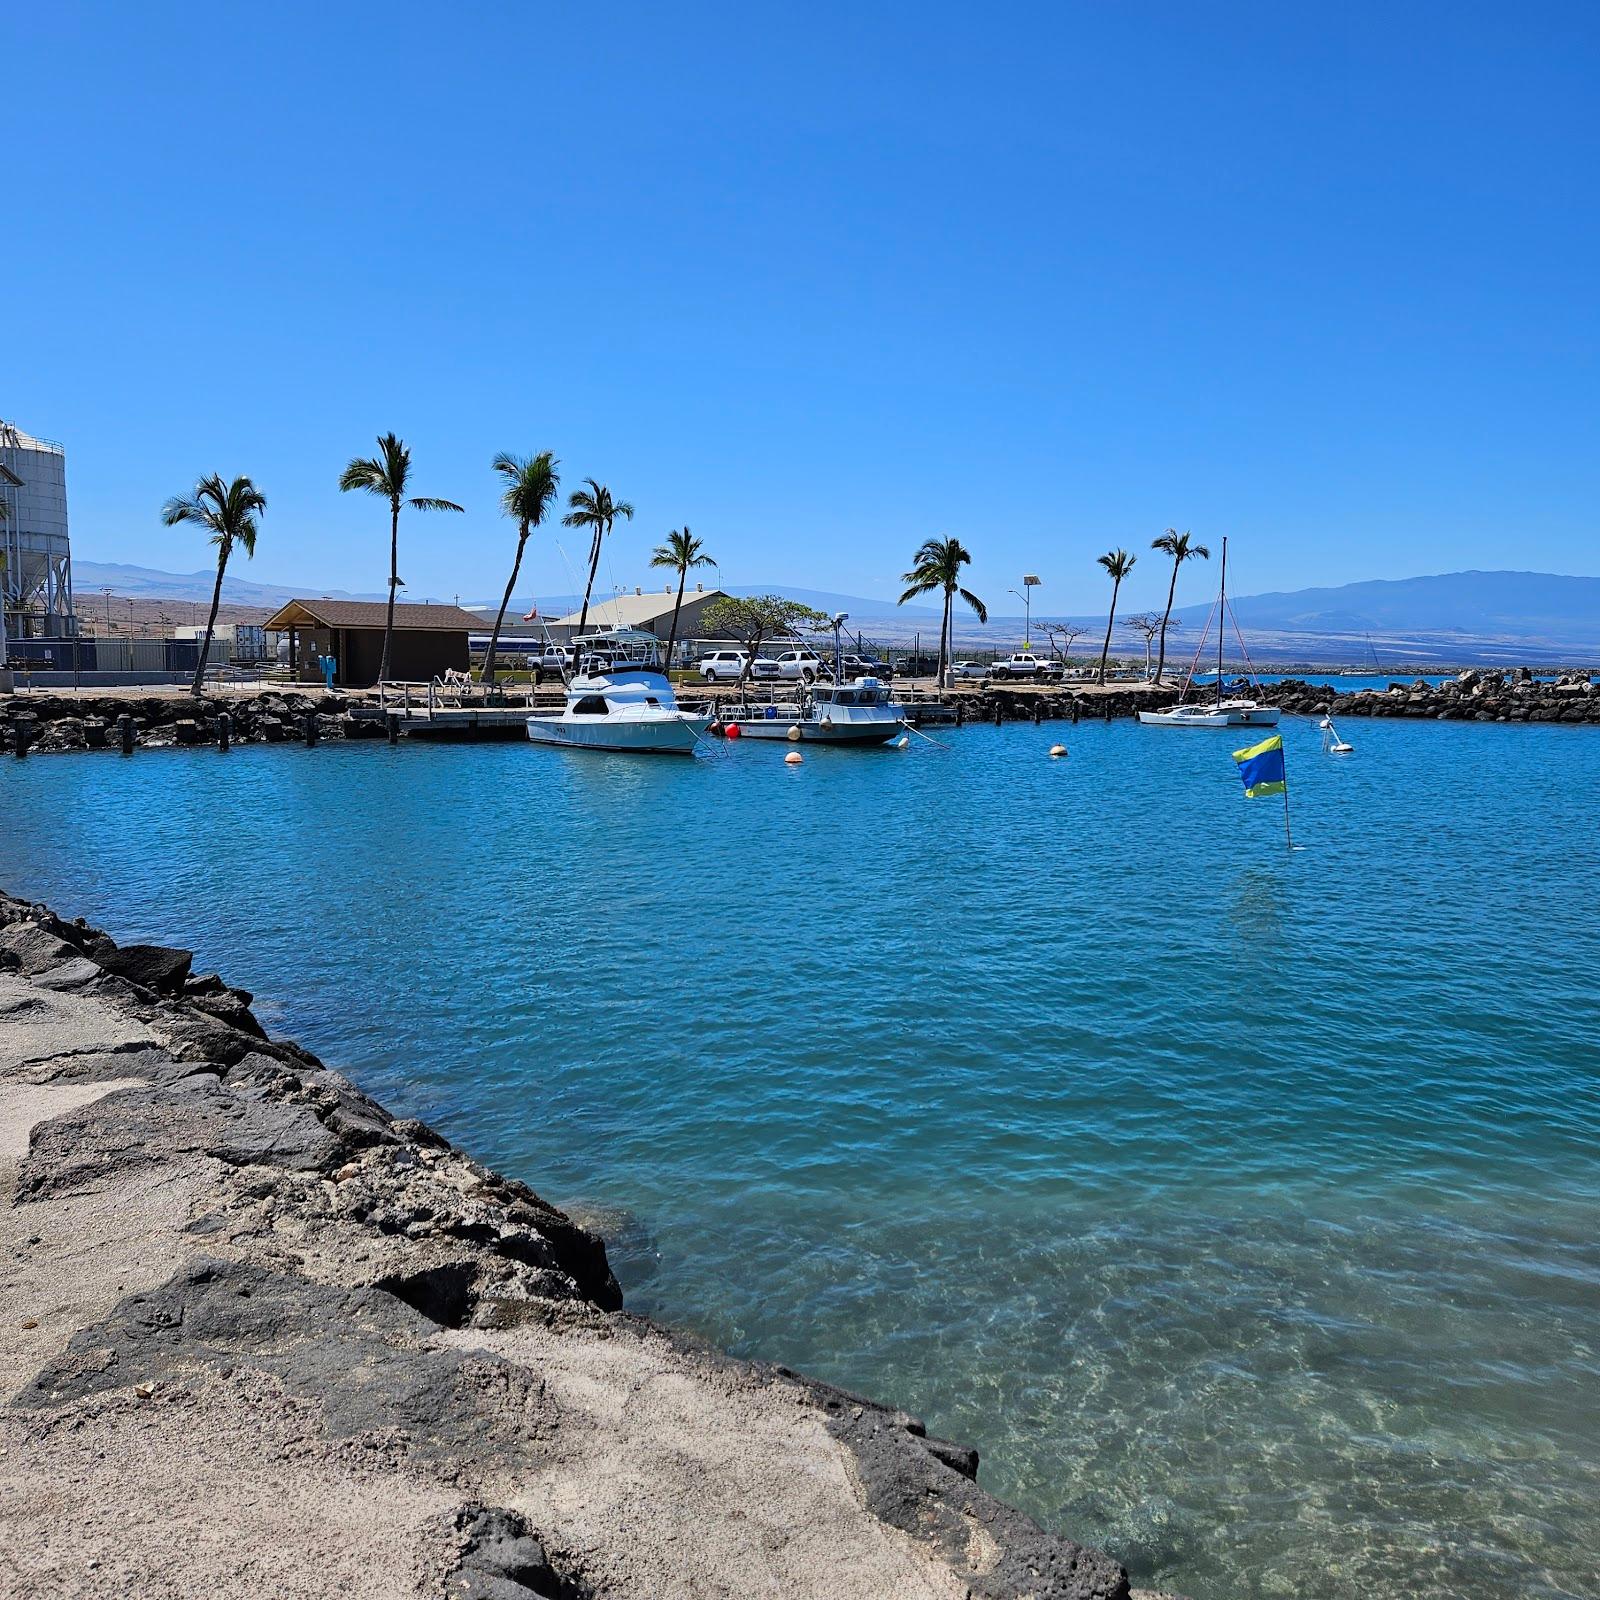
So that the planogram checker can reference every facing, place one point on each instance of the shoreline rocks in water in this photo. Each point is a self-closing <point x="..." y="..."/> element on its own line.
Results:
<point x="1489" y="696"/>
<point x="266" y="1338"/>
<point x="53" y="722"/>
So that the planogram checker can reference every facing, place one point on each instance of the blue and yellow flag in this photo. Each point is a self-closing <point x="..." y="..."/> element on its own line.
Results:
<point x="1261" y="768"/>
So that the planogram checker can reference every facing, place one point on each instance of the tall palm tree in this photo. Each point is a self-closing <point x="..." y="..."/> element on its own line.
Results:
<point x="681" y="551"/>
<point x="937" y="565"/>
<point x="228" y="511"/>
<point x="1181" y="548"/>
<point x="530" y="489"/>
<point x="593" y="508"/>
<point x="1119" y="564"/>
<point x="385" y="475"/>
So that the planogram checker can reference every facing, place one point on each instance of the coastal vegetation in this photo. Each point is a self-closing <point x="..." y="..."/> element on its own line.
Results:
<point x="1181" y="547"/>
<point x="530" y="486"/>
<point x="387" y="475"/>
<point x="229" y="513"/>
<point x="937" y="567"/>
<point x="1118" y="563"/>
<point x="752" y="620"/>
<point x="681" y="551"/>
<point x="1147" y="624"/>
<point x="594" y="508"/>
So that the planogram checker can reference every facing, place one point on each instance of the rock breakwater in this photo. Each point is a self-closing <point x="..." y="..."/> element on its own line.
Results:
<point x="1469" y="697"/>
<point x="267" y="1338"/>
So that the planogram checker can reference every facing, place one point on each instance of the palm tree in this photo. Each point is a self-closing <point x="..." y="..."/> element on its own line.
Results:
<point x="1119" y="564"/>
<point x="530" y="490"/>
<point x="593" y="508"/>
<point x="681" y="551"/>
<point x="937" y="565"/>
<point x="385" y="475"/>
<point x="229" y="512"/>
<point x="1177" y="546"/>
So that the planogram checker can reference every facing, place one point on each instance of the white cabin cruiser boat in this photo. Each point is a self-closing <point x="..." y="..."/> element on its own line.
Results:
<point x="1219" y="713"/>
<point x="620" y="699"/>
<point x="858" y="712"/>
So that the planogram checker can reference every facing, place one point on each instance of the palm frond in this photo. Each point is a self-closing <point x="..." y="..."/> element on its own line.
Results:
<point x="979" y="608"/>
<point x="532" y="483"/>
<point x="427" y="503"/>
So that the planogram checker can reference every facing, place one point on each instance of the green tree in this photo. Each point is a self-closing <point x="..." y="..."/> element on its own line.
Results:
<point x="937" y="566"/>
<point x="1181" y="548"/>
<point x="1118" y="563"/>
<point x="680" y="552"/>
<point x="594" y="509"/>
<point x="753" y="619"/>
<point x="228" y="511"/>
<point x="386" y="475"/>
<point x="530" y="489"/>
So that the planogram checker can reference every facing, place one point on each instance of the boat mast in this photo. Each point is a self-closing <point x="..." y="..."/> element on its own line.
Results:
<point x="1222" y="615"/>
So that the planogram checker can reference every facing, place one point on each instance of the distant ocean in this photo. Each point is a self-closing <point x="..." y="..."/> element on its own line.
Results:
<point x="1242" y="1206"/>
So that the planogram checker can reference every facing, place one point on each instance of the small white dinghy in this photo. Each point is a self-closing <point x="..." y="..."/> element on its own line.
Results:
<point x="1332" y="744"/>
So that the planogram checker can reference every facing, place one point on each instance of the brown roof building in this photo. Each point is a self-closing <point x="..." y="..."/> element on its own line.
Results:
<point x="428" y="640"/>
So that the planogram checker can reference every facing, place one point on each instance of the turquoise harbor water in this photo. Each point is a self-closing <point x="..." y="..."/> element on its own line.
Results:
<point x="1243" y="1207"/>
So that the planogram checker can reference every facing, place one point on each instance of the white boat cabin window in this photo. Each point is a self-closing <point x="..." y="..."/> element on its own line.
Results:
<point x="591" y="705"/>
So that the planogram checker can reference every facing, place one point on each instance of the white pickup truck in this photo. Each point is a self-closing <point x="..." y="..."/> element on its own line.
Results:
<point x="1026" y="665"/>
<point x="805" y="665"/>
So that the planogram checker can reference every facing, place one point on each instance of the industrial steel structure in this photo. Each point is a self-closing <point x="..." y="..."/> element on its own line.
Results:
<point x="36" y="570"/>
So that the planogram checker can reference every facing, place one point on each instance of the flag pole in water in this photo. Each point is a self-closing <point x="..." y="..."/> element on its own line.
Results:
<point x="1262" y="772"/>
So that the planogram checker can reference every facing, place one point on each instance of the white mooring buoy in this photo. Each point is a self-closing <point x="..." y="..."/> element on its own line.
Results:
<point x="793" y="759"/>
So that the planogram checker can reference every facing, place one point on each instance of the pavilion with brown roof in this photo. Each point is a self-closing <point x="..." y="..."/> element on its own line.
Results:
<point x="428" y="640"/>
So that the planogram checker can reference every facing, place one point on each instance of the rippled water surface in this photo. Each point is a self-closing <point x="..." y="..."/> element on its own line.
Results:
<point x="1240" y="1205"/>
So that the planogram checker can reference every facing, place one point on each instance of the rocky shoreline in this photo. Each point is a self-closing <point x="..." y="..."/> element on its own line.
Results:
<point x="264" y="1337"/>
<point x="46" y="722"/>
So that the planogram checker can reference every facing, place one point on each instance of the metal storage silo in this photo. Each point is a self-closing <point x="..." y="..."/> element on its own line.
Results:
<point x="37" y="580"/>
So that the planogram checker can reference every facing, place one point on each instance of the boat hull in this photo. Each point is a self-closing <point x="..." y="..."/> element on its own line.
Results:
<point x="1238" y="717"/>
<point x="814" y="732"/>
<point x="663" y="736"/>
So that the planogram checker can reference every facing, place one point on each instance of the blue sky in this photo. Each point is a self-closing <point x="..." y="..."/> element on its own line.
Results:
<point x="821" y="281"/>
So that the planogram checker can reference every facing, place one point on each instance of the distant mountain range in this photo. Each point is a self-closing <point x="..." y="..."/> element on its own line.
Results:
<point x="1389" y="624"/>
<point x="147" y="583"/>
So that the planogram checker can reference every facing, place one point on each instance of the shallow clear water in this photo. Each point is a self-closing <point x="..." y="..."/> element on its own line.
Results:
<point x="1241" y="1206"/>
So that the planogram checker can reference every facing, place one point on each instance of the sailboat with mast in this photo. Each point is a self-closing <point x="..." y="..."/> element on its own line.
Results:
<point x="1220" y="712"/>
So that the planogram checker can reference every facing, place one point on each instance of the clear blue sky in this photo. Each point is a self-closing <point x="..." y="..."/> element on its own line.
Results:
<point x="821" y="280"/>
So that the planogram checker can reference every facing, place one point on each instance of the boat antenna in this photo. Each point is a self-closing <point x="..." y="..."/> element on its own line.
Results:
<point x="839" y="620"/>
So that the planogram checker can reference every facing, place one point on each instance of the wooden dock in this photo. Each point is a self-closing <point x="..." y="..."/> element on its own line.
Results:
<point x="463" y="722"/>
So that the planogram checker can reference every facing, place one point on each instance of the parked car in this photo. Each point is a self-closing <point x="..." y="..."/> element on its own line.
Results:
<point x="968" y="669"/>
<point x="727" y="666"/>
<point x="865" y="667"/>
<point x="1026" y="665"/>
<point x="805" y="665"/>
<point x="914" y="666"/>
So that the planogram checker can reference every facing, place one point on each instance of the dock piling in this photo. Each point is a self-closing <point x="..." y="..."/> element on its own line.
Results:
<point x="127" y="734"/>
<point x="224" y="731"/>
<point x="310" y="729"/>
<point x="392" y="722"/>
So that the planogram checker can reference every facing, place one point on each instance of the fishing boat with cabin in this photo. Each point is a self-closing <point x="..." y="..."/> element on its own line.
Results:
<point x="620" y="699"/>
